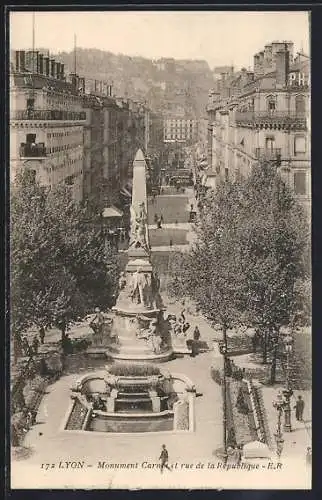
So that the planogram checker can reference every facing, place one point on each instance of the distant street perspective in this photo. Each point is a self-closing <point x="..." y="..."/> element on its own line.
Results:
<point x="160" y="259"/>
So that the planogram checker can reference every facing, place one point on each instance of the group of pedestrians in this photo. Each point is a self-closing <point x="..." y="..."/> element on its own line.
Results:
<point x="31" y="348"/>
<point x="234" y="456"/>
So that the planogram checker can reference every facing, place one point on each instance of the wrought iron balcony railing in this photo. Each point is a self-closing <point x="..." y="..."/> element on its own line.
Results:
<point x="270" y="116"/>
<point x="44" y="114"/>
<point x="268" y="153"/>
<point x="32" y="151"/>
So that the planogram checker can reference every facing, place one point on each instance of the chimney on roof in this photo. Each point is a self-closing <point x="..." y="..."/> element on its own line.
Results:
<point x="58" y="70"/>
<point x="62" y="69"/>
<point x="20" y="64"/>
<point x="40" y="64"/>
<point x="268" y="57"/>
<point x="32" y="61"/>
<point x="52" y="68"/>
<point x="282" y="61"/>
<point x="46" y="65"/>
<point x="74" y="79"/>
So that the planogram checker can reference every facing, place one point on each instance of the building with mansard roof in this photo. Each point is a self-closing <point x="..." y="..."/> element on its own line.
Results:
<point x="264" y="114"/>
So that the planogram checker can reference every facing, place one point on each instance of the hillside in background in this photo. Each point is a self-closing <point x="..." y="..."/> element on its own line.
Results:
<point x="167" y="85"/>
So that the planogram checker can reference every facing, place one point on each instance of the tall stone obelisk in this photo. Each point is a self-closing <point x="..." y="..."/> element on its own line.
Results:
<point x="139" y="330"/>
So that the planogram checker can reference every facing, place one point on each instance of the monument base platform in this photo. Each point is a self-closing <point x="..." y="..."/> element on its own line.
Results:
<point x="141" y="357"/>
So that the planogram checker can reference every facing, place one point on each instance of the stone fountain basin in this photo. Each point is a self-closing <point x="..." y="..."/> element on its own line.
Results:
<point x="99" y="420"/>
<point x="96" y="381"/>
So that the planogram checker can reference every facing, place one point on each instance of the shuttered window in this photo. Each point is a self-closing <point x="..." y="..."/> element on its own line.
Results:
<point x="300" y="183"/>
<point x="299" y="145"/>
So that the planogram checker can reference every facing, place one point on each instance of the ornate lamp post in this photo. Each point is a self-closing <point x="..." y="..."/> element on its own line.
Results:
<point x="279" y="405"/>
<point x="287" y="392"/>
<point x="223" y="351"/>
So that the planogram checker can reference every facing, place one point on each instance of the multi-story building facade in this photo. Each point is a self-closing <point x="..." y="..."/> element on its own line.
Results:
<point x="180" y="129"/>
<point x="46" y="121"/>
<point x="72" y="131"/>
<point x="203" y="132"/>
<point x="264" y="115"/>
<point x="93" y="150"/>
<point x="114" y="130"/>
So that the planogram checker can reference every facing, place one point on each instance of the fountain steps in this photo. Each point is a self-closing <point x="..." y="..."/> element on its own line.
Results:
<point x="133" y="349"/>
<point x="142" y="357"/>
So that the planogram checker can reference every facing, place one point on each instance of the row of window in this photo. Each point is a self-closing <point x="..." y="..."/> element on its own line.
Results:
<point x="178" y="136"/>
<point x="299" y="144"/>
<point x="271" y="104"/>
<point x="65" y="100"/>
<point x="191" y="122"/>
<point x="179" y="128"/>
<point x="63" y="147"/>
<point x="64" y="134"/>
<point x="299" y="181"/>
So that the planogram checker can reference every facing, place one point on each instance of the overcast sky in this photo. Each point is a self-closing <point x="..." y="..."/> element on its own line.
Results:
<point x="218" y="37"/>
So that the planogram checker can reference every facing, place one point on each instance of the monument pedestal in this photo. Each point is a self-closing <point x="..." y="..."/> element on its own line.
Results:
<point x="134" y="340"/>
<point x="139" y="332"/>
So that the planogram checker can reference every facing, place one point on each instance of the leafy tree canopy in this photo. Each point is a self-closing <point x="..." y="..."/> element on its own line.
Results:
<point x="61" y="265"/>
<point x="249" y="254"/>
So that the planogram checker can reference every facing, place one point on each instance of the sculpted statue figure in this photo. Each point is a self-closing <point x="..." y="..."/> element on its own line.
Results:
<point x="155" y="282"/>
<point x="139" y="284"/>
<point x="122" y="281"/>
<point x="139" y="226"/>
<point x="148" y="291"/>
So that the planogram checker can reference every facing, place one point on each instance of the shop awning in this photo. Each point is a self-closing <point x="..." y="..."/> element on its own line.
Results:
<point x="112" y="212"/>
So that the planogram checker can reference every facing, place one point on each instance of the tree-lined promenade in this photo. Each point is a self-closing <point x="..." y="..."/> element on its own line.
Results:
<point x="250" y="263"/>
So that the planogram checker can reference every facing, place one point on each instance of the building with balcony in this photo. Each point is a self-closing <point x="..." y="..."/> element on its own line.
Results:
<point x="46" y="121"/>
<point x="264" y="114"/>
<point x="73" y="131"/>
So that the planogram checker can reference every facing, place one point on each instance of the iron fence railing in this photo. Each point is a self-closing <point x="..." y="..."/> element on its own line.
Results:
<point x="268" y="153"/>
<point x="270" y="116"/>
<point x="47" y="114"/>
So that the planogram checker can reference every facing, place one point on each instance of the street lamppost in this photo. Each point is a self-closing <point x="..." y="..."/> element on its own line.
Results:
<point x="279" y="405"/>
<point x="223" y="351"/>
<point x="287" y="392"/>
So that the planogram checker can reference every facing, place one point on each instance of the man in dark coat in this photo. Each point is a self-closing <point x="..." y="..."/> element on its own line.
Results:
<point x="164" y="457"/>
<point x="196" y="333"/>
<point x="299" y="408"/>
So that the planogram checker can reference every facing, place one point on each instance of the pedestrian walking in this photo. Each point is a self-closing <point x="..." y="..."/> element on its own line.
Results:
<point x="35" y="345"/>
<point x="196" y="333"/>
<point x="237" y="455"/>
<point x="171" y="243"/>
<point x="164" y="458"/>
<point x="299" y="408"/>
<point x="156" y="218"/>
<point x="42" y="334"/>
<point x="308" y="456"/>
<point x="279" y="448"/>
<point x="25" y="346"/>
